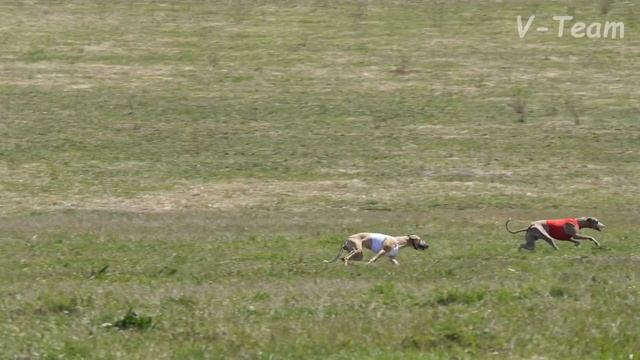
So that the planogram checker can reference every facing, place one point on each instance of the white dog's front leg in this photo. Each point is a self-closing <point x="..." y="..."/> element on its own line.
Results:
<point x="373" y="259"/>
<point x="394" y="261"/>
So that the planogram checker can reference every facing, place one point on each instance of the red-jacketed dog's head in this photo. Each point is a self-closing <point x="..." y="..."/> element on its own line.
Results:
<point x="594" y="223"/>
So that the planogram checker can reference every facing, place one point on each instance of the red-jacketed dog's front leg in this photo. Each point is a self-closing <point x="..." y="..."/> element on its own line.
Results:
<point x="583" y="237"/>
<point x="575" y="242"/>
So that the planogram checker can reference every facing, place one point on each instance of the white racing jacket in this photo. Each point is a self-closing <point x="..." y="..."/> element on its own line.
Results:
<point x="376" y="244"/>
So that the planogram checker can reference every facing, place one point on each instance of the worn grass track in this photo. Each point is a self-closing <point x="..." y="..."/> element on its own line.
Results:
<point x="195" y="161"/>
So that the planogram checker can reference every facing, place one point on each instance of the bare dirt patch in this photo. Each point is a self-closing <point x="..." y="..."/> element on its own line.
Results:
<point x="81" y="76"/>
<point x="292" y="196"/>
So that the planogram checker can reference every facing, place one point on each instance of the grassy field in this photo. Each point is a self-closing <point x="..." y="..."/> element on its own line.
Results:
<point x="194" y="161"/>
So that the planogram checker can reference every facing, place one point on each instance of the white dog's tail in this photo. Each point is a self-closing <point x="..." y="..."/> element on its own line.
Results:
<point x="339" y="253"/>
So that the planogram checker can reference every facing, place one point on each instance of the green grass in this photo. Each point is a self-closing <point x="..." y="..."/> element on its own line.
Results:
<point x="193" y="162"/>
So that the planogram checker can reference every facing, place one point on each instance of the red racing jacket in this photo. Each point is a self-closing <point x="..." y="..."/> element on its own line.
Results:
<point x="556" y="228"/>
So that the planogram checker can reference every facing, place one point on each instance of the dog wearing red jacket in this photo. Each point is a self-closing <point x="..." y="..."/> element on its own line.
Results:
<point x="558" y="229"/>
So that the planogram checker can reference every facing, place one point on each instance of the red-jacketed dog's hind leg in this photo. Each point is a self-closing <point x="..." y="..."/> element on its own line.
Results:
<point x="544" y="235"/>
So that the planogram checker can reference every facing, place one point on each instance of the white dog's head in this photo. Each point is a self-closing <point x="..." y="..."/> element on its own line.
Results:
<point x="417" y="242"/>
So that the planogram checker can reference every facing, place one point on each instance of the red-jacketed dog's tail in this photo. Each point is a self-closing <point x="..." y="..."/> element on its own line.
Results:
<point x="512" y="231"/>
